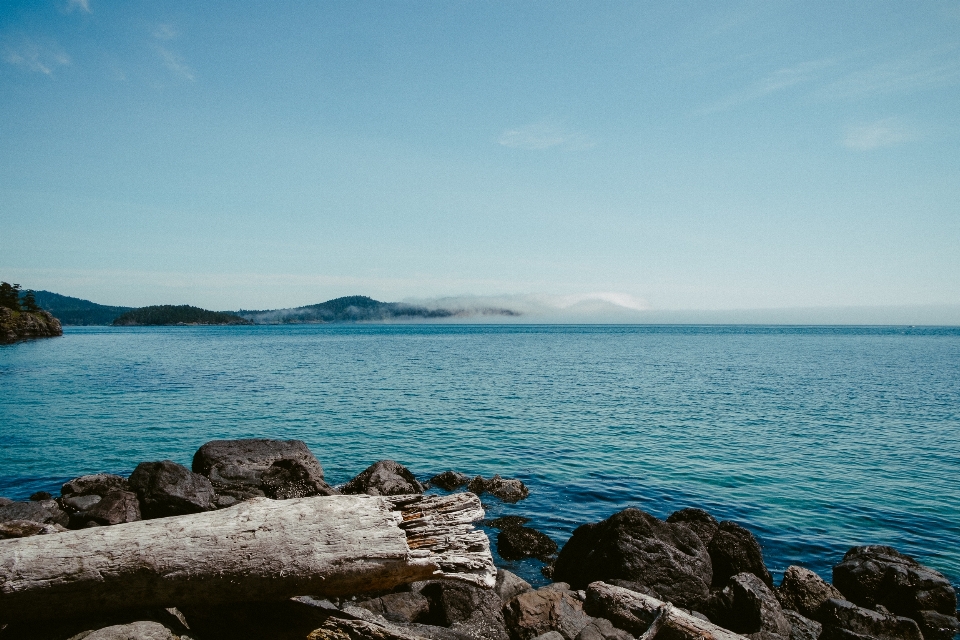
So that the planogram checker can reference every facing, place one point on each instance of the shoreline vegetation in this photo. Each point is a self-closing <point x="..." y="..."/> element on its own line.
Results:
<point x="21" y="318"/>
<point x="251" y="542"/>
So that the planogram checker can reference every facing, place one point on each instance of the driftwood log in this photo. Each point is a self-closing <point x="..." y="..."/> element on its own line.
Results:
<point x="639" y="613"/>
<point x="261" y="549"/>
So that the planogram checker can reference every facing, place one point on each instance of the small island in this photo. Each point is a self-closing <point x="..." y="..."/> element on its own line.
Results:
<point x="168" y="314"/>
<point x="21" y="318"/>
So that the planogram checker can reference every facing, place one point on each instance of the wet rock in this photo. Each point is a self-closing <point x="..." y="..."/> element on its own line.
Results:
<point x="802" y="627"/>
<point x="134" y="631"/>
<point x="81" y="503"/>
<point x="840" y="618"/>
<point x="449" y="480"/>
<point x="746" y="605"/>
<point x="550" y="608"/>
<point x="98" y="484"/>
<point x="509" y="585"/>
<point x="635" y="546"/>
<point x="878" y="575"/>
<point x="804" y="591"/>
<point x="602" y="629"/>
<point x="702" y="523"/>
<point x="27" y="528"/>
<point x="406" y="606"/>
<point x="384" y="478"/>
<point x="44" y="512"/>
<point x="116" y="507"/>
<point x="508" y="490"/>
<point x="168" y="489"/>
<point x="40" y="495"/>
<point x="734" y="550"/>
<point x="254" y="467"/>
<point x="515" y="541"/>
<point x="937" y="626"/>
<point x="466" y="609"/>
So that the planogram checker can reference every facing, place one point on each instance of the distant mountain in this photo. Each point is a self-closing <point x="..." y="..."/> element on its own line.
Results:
<point x="348" y="309"/>
<point x="168" y="314"/>
<point x="75" y="311"/>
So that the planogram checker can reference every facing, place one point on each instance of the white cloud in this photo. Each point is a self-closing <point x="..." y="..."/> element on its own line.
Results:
<point x="175" y="63"/>
<point x="82" y="5"/>
<point x="34" y="57"/>
<point x="923" y="70"/>
<point x="779" y="80"/>
<point x="874" y="135"/>
<point x="542" y="135"/>
<point x="165" y="32"/>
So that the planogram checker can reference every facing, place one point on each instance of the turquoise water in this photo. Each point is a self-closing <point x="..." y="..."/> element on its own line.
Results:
<point x="816" y="439"/>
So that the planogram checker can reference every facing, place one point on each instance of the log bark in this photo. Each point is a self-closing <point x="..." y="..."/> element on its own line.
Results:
<point x="637" y="613"/>
<point x="261" y="549"/>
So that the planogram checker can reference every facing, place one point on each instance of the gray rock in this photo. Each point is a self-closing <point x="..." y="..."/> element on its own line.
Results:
<point x="116" y="507"/>
<point x="384" y="478"/>
<point x="134" y="631"/>
<point x="804" y="591"/>
<point x="407" y="606"/>
<point x="277" y="469"/>
<point x="27" y="528"/>
<point x="466" y="609"/>
<point x="550" y="635"/>
<point x="602" y="629"/>
<point x="702" y="523"/>
<point x="81" y="502"/>
<point x="937" y="626"/>
<point x="516" y="543"/>
<point x="878" y="575"/>
<point x="508" y="490"/>
<point x="449" y="480"/>
<point x="746" y="606"/>
<point x="5" y="501"/>
<point x="509" y="585"/>
<point x="840" y="618"/>
<point x="734" y="550"/>
<point x="96" y="484"/>
<point x="669" y="559"/>
<point x="37" y="496"/>
<point x="168" y="489"/>
<point x="802" y="627"/>
<point x="550" y="608"/>
<point x="44" y="512"/>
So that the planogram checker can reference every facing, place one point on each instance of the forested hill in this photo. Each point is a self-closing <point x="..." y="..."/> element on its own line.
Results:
<point x="167" y="314"/>
<point x="75" y="311"/>
<point x="347" y="309"/>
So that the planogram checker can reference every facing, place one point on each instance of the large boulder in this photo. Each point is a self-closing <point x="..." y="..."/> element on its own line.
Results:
<point x="669" y="559"/>
<point x="702" y="523"/>
<point x="466" y="609"/>
<point x="551" y="608"/>
<point x="116" y="507"/>
<point x="746" y="605"/>
<point x="734" y="550"/>
<point x="406" y="606"/>
<point x="143" y="630"/>
<point x="841" y="618"/>
<point x="169" y="489"/>
<point x="802" y="627"/>
<point x="507" y="489"/>
<point x="384" y="478"/>
<point x="277" y="469"/>
<point x="99" y="484"/>
<point x="509" y="585"/>
<point x="602" y="629"/>
<point x="44" y="512"/>
<point x="804" y="591"/>
<point x="937" y="626"/>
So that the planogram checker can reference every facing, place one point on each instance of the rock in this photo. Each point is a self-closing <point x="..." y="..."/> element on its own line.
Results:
<point x="602" y="629"/>
<point x="550" y="635"/>
<point x="5" y="501"/>
<point x="466" y="609"/>
<point x="633" y="545"/>
<point x="169" y="489"/>
<point x="841" y="616"/>
<point x="746" y="605"/>
<point x="449" y="480"/>
<point x="40" y="495"/>
<point x="384" y="478"/>
<point x="515" y="543"/>
<point x="133" y="631"/>
<point x="877" y="575"/>
<point x="81" y="503"/>
<point x="550" y="608"/>
<point x="26" y="528"/>
<point x="44" y="512"/>
<point x="937" y="626"/>
<point x="509" y="585"/>
<point x="406" y="606"/>
<point x="734" y="550"/>
<point x="702" y="523"/>
<point x="281" y="620"/>
<point x="277" y="469"/>
<point x="508" y="490"/>
<point x="116" y="507"/>
<point x="801" y="627"/>
<point x="804" y="591"/>
<point x="98" y="484"/>
<point x="24" y="325"/>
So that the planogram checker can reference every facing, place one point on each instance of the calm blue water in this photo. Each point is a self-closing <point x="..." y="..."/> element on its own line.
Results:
<point x="816" y="439"/>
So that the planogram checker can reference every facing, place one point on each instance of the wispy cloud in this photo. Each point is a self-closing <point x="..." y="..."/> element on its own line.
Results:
<point x="171" y="59"/>
<point x="34" y="57"/>
<point x="774" y="82"/>
<point x="874" y="135"/>
<point x="920" y="71"/>
<point x="81" y="5"/>
<point x="543" y="135"/>
<point x="165" y="32"/>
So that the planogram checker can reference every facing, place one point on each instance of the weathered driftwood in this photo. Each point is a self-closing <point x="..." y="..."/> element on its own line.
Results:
<point x="638" y="613"/>
<point x="261" y="549"/>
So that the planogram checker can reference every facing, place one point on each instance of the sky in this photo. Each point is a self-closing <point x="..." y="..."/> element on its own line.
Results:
<point x="653" y="156"/>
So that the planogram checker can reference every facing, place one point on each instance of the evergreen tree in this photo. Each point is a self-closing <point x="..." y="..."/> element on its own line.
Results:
<point x="10" y="296"/>
<point x="29" y="302"/>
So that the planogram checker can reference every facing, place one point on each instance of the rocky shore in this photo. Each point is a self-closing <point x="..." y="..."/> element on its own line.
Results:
<point x="687" y="577"/>
<point x="25" y="325"/>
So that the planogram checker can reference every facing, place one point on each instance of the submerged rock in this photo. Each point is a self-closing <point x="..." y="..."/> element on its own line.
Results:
<point x="804" y="591"/>
<point x="168" y="489"/>
<point x="635" y="546"/>
<point x="384" y="478"/>
<point x="449" y="480"/>
<point x="508" y="490"/>
<point x="734" y="550"/>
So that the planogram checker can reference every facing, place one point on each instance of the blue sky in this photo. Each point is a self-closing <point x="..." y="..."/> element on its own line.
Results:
<point x="687" y="155"/>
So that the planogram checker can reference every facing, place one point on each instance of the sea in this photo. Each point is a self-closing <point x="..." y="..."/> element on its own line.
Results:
<point x="816" y="439"/>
